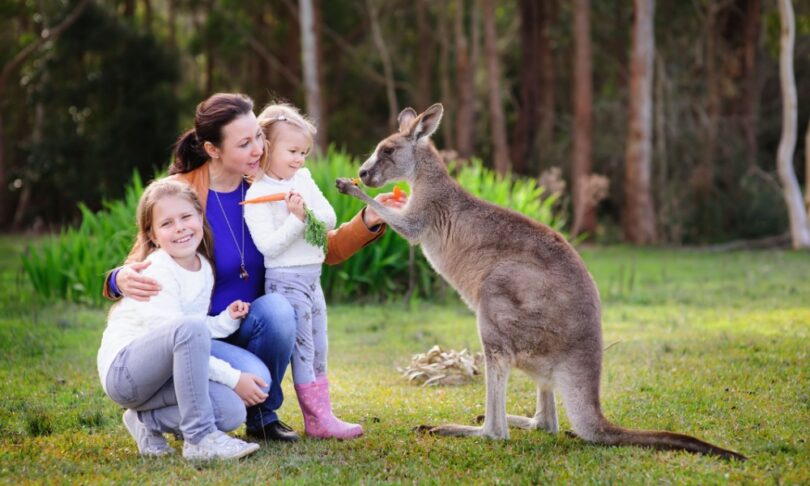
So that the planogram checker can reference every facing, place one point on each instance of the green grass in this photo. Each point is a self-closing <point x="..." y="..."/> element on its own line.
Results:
<point x="714" y="345"/>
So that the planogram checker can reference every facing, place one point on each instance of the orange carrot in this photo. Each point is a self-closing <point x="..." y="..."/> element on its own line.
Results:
<point x="356" y="181"/>
<point x="279" y="196"/>
<point x="398" y="193"/>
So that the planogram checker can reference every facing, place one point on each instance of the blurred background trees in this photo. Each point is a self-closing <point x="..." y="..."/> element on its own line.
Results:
<point x="528" y="86"/>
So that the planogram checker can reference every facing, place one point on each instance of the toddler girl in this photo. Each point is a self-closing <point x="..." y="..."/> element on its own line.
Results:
<point x="155" y="356"/>
<point x="293" y="266"/>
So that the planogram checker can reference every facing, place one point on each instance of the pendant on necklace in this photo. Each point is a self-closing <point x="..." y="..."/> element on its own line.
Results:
<point x="242" y="272"/>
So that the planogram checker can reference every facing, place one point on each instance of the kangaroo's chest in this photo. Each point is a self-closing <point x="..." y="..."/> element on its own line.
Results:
<point x="457" y="269"/>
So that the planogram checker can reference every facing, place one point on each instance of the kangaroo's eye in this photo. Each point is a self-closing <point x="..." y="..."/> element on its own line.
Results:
<point x="388" y="150"/>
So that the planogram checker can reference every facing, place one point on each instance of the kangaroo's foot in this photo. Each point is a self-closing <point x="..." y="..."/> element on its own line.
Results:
<point x="525" y="423"/>
<point x="455" y="430"/>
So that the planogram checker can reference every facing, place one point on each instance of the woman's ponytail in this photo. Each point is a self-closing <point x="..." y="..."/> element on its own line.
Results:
<point x="188" y="153"/>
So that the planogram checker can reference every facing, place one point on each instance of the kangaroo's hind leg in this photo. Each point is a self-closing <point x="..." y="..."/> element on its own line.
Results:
<point x="495" y="425"/>
<point x="545" y="416"/>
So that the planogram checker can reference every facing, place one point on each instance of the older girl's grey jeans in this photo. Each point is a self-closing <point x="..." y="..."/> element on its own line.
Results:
<point x="164" y="376"/>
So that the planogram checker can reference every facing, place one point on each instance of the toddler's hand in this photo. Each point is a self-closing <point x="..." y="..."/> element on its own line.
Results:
<point x="238" y="309"/>
<point x="248" y="389"/>
<point x="295" y="204"/>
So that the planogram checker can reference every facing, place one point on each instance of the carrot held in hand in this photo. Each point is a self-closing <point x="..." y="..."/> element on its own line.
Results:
<point x="279" y="196"/>
<point x="399" y="194"/>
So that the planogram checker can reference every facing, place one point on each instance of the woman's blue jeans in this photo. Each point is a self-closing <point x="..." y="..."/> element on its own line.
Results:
<point x="268" y="332"/>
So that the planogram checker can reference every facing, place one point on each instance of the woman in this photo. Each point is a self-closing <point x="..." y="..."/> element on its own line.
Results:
<point x="225" y="146"/>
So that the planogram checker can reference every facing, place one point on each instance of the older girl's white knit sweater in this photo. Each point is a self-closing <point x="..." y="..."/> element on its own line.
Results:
<point x="183" y="293"/>
<point x="279" y="234"/>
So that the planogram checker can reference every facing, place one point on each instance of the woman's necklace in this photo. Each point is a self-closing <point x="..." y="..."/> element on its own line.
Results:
<point x="243" y="274"/>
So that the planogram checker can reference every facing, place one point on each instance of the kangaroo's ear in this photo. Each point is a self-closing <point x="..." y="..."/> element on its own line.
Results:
<point x="405" y="118"/>
<point x="428" y="121"/>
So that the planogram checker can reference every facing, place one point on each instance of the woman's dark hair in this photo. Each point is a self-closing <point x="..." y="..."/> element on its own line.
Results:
<point x="209" y="119"/>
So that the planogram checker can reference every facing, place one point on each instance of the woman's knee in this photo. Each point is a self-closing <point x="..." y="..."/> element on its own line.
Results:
<point x="253" y="365"/>
<point x="229" y="410"/>
<point x="277" y="314"/>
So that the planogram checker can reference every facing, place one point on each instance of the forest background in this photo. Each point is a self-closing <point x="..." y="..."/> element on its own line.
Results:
<point x="92" y="90"/>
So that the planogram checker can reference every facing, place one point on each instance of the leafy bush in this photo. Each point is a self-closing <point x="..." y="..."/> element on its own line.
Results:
<point x="72" y="265"/>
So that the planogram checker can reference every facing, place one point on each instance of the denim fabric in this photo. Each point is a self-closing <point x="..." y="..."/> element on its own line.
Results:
<point x="268" y="332"/>
<point x="164" y="376"/>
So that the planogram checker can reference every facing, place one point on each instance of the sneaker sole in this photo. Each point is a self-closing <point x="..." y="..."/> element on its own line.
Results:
<point x="245" y="452"/>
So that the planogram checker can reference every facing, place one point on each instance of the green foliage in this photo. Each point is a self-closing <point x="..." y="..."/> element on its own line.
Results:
<point x="72" y="265"/>
<point x="713" y="345"/>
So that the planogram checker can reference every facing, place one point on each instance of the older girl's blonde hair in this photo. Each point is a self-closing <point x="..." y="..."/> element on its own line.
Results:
<point x="276" y="115"/>
<point x="153" y="193"/>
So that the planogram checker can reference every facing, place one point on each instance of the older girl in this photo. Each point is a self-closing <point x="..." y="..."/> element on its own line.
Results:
<point x="155" y="357"/>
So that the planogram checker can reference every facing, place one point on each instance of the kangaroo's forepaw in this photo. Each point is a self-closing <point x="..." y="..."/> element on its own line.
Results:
<point x="347" y="186"/>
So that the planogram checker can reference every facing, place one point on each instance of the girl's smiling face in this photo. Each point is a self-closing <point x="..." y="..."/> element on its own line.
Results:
<point x="242" y="146"/>
<point x="177" y="228"/>
<point x="288" y="151"/>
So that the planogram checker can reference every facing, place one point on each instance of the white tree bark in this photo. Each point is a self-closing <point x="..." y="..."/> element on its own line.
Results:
<point x="799" y="229"/>
<point x="309" y="64"/>
<point x="807" y="169"/>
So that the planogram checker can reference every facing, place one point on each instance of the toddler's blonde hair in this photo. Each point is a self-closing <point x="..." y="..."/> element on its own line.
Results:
<point x="276" y="115"/>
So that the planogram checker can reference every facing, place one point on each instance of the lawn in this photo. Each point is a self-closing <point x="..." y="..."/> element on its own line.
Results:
<point x="712" y="345"/>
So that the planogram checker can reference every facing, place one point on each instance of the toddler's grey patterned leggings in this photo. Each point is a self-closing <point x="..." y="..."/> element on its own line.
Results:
<point x="302" y="287"/>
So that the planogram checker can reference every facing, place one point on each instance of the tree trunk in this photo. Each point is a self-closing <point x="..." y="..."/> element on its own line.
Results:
<point x="388" y="70"/>
<point x="584" y="210"/>
<point x="703" y="176"/>
<point x="425" y="64"/>
<point x="799" y="229"/>
<point x="497" y="119"/>
<point x="147" y="14"/>
<point x="548" y="93"/>
<point x="749" y="106"/>
<point x="639" y="215"/>
<point x="309" y="62"/>
<point x="528" y="110"/>
<point x="807" y="169"/>
<point x="172" y="21"/>
<point x="448" y="100"/>
<point x="465" y="81"/>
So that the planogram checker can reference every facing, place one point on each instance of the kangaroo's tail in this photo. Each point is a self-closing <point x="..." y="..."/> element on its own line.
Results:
<point x="581" y="399"/>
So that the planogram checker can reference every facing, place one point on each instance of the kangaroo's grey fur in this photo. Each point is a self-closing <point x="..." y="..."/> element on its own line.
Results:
<point x="537" y="306"/>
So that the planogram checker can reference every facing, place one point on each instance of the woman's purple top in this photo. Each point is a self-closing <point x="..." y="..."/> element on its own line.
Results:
<point x="227" y="284"/>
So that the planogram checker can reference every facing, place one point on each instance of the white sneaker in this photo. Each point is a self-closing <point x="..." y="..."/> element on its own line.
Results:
<point x="150" y="443"/>
<point x="218" y="445"/>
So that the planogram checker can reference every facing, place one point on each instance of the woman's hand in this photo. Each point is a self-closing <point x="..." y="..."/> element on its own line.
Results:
<point x="295" y="204"/>
<point x="372" y="219"/>
<point x="248" y="389"/>
<point x="238" y="309"/>
<point x="133" y="284"/>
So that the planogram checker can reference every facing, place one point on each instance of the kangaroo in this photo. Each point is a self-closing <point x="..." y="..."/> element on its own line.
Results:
<point x="537" y="307"/>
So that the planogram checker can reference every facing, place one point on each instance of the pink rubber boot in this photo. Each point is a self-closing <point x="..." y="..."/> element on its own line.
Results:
<point x="319" y="421"/>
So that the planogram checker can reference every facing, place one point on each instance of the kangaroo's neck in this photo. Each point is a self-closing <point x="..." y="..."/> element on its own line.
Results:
<point x="431" y="180"/>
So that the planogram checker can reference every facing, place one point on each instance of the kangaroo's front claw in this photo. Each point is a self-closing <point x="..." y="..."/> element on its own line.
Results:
<point x="346" y="186"/>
